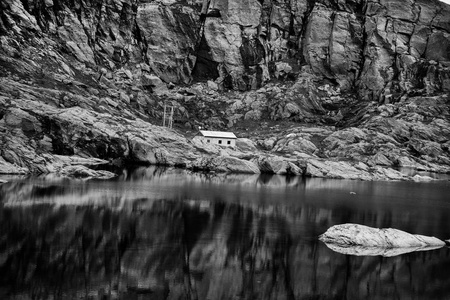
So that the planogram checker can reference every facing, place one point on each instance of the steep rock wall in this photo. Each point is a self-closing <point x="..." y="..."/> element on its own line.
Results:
<point x="383" y="49"/>
<point x="152" y="35"/>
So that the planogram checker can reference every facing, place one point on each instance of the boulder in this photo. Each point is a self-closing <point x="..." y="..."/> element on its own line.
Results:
<point x="349" y="235"/>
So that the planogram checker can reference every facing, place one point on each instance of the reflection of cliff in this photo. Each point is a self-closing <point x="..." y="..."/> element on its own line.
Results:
<point x="197" y="250"/>
<point x="420" y="208"/>
<point x="151" y="182"/>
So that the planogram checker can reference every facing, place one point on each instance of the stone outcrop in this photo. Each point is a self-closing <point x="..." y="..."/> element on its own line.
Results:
<point x="358" y="239"/>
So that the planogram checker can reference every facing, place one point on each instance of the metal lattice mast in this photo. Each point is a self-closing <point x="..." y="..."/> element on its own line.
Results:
<point x="171" y="117"/>
<point x="168" y="115"/>
<point x="164" y="116"/>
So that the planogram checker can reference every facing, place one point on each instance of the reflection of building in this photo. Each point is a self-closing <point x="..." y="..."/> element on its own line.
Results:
<point x="221" y="138"/>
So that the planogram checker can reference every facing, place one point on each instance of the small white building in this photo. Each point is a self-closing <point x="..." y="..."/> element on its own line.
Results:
<point x="221" y="138"/>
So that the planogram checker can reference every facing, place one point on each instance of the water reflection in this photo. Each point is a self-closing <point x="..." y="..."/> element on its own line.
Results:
<point x="359" y="250"/>
<point x="155" y="234"/>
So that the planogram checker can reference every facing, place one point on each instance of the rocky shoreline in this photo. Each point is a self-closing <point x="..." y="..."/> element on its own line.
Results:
<point x="44" y="138"/>
<point x="72" y="97"/>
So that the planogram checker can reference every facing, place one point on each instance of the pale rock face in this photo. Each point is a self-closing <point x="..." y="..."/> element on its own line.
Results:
<point x="233" y="43"/>
<point x="171" y="35"/>
<point x="345" y="49"/>
<point x="317" y="40"/>
<point x="73" y="33"/>
<point x="25" y="19"/>
<point x="399" y="31"/>
<point x="242" y="12"/>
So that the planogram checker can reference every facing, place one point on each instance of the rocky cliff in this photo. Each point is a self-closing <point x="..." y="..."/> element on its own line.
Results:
<point x="383" y="49"/>
<point x="87" y="79"/>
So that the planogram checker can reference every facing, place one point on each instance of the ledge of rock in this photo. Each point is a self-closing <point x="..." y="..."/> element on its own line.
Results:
<point x="354" y="235"/>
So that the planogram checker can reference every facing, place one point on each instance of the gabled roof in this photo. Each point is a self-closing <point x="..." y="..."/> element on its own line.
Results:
<point x="218" y="134"/>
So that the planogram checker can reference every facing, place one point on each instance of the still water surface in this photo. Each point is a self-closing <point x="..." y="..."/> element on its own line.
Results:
<point x="157" y="233"/>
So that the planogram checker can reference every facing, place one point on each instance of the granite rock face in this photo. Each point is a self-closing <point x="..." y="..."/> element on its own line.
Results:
<point x="381" y="49"/>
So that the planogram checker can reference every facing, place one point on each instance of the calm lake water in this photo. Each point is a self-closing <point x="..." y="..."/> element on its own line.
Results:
<point x="157" y="233"/>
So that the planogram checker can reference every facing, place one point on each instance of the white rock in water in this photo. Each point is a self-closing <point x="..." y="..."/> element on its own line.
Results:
<point x="360" y="235"/>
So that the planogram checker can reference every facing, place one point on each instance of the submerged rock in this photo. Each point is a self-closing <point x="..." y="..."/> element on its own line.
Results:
<point x="355" y="235"/>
